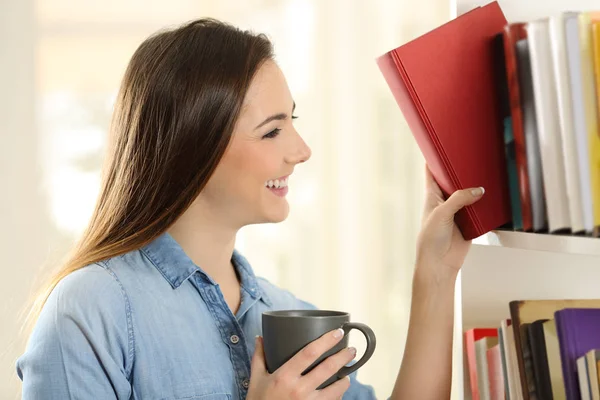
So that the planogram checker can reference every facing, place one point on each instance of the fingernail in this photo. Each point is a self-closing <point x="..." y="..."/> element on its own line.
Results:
<point x="352" y="351"/>
<point x="478" y="192"/>
<point x="338" y="333"/>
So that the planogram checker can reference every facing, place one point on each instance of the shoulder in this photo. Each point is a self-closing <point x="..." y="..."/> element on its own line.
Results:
<point x="282" y="298"/>
<point x="89" y="301"/>
<point x="84" y="323"/>
<point x="93" y="287"/>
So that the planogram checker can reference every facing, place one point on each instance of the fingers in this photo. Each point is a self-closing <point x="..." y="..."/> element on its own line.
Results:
<point x="433" y="195"/>
<point x="311" y="352"/>
<point x="335" y="390"/>
<point x="460" y="199"/>
<point x="327" y="368"/>
<point x="430" y="183"/>
<point x="258" y="359"/>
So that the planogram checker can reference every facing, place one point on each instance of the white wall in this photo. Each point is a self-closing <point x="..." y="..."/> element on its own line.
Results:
<point x="25" y="231"/>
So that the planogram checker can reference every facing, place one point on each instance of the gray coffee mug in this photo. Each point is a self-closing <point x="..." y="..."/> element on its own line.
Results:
<point x="288" y="331"/>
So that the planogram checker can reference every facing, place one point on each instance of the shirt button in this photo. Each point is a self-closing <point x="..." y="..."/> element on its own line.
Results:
<point x="234" y="339"/>
<point x="246" y="384"/>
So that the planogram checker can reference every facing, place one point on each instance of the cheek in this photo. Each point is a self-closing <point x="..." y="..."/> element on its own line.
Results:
<point x="244" y="171"/>
<point x="253" y="164"/>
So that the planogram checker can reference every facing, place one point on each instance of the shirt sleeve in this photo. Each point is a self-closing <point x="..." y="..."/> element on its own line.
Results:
<point x="82" y="344"/>
<point x="357" y="390"/>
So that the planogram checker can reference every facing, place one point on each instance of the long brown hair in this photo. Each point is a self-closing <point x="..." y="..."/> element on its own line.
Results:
<point x="174" y="116"/>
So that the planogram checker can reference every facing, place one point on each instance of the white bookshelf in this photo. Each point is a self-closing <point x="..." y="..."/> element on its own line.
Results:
<point x="492" y="276"/>
<point x="542" y="242"/>
<point x="504" y="266"/>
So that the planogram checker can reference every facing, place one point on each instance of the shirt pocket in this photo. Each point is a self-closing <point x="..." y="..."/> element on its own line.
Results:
<point x="211" y="396"/>
<point x="201" y="390"/>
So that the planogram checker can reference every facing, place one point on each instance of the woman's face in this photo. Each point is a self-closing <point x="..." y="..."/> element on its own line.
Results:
<point x="249" y="185"/>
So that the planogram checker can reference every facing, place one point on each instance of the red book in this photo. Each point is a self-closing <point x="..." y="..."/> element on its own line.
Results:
<point x="445" y="85"/>
<point x="495" y="373"/>
<point x="513" y="33"/>
<point x="471" y="336"/>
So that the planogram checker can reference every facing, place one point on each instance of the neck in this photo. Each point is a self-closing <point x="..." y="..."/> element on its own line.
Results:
<point x="207" y="241"/>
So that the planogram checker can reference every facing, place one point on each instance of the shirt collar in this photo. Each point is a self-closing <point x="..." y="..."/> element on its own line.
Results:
<point x="248" y="279"/>
<point x="176" y="267"/>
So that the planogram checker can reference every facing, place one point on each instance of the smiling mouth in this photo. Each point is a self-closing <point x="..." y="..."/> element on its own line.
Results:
<point x="277" y="183"/>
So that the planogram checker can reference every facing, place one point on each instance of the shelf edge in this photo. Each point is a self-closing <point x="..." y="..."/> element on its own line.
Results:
<point x="541" y="242"/>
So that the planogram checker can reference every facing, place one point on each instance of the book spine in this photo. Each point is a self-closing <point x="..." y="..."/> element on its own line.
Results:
<point x="574" y="63"/>
<point x="565" y="121"/>
<point x="546" y="106"/>
<point x="514" y="307"/>
<point x="591" y="104"/>
<point x="534" y="157"/>
<point x="569" y="371"/>
<point x="513" y="32"/>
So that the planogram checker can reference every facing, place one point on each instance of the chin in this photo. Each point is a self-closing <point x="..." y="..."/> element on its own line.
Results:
<point x="278" y="215"/>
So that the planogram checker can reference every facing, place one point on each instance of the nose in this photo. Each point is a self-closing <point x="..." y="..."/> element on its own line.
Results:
<point x="300" y="152"/>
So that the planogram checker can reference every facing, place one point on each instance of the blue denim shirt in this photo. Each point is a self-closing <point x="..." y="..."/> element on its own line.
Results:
<point x="150" y="324"/>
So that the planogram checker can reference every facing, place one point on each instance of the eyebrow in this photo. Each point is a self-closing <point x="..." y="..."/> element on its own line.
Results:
<point x="276" y="117"/>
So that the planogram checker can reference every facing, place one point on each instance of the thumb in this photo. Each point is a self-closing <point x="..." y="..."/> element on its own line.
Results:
<point x="258" y="359"/>
<point x="460" y="199"/>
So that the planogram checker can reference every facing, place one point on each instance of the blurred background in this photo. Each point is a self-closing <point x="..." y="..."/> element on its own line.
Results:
<point x="349" y="243"/>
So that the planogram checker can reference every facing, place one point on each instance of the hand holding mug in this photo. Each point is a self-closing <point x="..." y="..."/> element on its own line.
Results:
<point x="289" y="383"/>
<point x="303" y="355"/>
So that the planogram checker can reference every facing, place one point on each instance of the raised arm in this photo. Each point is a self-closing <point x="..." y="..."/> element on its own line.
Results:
<point x="426" y="370"/>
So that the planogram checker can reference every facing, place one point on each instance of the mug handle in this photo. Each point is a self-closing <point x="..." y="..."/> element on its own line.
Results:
<point x="371" y="342"/>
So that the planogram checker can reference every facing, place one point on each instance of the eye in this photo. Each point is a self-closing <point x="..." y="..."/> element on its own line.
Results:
<point x="272" y="134"/>
<point x="275" y="132"/>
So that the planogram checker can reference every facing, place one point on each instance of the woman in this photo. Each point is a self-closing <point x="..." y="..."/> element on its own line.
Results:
<point x="155" y="303"/>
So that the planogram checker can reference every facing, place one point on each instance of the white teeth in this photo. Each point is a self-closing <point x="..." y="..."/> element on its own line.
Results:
<point x="277" y="183"/>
